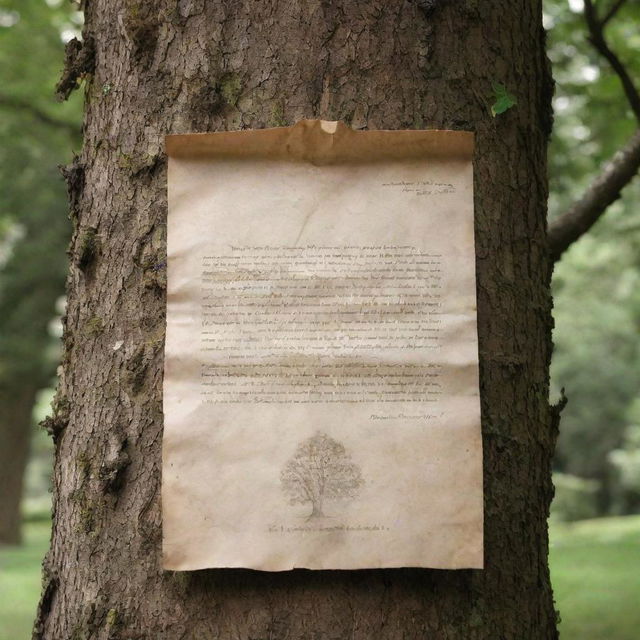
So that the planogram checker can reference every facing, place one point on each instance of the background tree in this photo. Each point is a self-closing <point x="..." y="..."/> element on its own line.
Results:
<point x="596" y="284"/>
<point x="34" y="229"/>
<point x="321" y="469"/>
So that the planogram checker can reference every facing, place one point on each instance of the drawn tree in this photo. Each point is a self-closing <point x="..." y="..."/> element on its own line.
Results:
<point x="320" y="469"/>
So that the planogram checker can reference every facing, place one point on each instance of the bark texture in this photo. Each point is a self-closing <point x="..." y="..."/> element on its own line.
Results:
<point x="175" y="66"/>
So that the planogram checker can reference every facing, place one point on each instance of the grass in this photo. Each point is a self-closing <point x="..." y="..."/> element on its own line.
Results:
<point x="595" y="568"/>
<point x="20" y="581"/>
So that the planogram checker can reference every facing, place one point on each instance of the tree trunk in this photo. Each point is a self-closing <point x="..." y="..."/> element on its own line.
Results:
<point x="164" y="66"/>
<point x="16" y="410"/>
<point x="316" y="510"/>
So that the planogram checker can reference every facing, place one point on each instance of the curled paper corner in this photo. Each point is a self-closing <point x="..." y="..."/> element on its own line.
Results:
<point x="329" y="126"/>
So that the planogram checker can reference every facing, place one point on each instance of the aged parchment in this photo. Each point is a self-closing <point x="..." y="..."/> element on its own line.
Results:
<point x="321" y="400"/>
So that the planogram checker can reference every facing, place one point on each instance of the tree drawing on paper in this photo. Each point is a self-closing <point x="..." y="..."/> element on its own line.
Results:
<point x="320" y="469"/>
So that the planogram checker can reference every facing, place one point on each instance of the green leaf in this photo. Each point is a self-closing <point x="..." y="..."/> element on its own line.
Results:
<point x="503" y="99"/>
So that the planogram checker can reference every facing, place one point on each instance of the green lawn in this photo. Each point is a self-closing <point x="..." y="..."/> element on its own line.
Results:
<point x="595" y="567"/>
<point x="20" y="582"/>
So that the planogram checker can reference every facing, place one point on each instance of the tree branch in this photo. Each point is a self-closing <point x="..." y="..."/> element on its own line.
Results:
<point x="38" y="114"/>
<point x="597" y="39"/>
<point x="602" y="192"/>
<point x="612" y="12"/>
<point x="624" y="165"/>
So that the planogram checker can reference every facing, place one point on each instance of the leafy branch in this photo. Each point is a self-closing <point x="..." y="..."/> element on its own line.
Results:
<point x="621" y="168"/>
<point x="602" y="192"/>
<point x="42" y="116"/>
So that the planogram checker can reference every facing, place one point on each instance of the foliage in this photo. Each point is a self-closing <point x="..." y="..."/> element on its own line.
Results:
<point x="596" y="284"/>
<point x="575" y="498"/>
<point x="625" y="463"/>
<point x="597" y="310"/>
<point x="35" y="136"/>
<point x="592" y="117"/>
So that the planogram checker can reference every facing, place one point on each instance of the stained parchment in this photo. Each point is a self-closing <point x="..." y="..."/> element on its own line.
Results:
<point x="321" y="400"/>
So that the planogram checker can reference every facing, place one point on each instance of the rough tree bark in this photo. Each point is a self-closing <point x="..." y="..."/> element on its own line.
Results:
<point x="175" y="66"/>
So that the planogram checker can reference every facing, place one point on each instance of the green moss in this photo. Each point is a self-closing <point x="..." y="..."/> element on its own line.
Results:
<point x="137" y="370"/>
<point x="155" y="281"/>
<point x="136" y="164"/>
<point x="155" y="342"/>
<point x="84" y="465"/>
<point x="230" y="88"/>
<point x="112" y="618"/>
<point x="88" y="247"/>
<point x="94" y="326"/>
<point x="133" y="11"/>
<point x="88" y="509"/>
<point x="277" y="116"/>
<point x="142" y="25"/>
<point x="86" y="521"/>
<point x="61" y="405"/>
<point x="155" y="272"/>
<point x="78" y="632"/>
<point x="59" y="418"/>
<point x="88" y="512"/>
